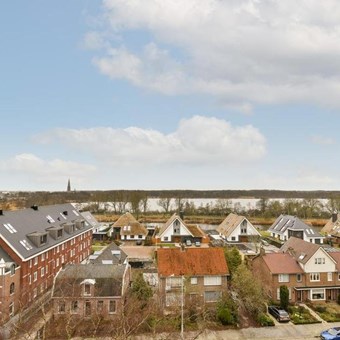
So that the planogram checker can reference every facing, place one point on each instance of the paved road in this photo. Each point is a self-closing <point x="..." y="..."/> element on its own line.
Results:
<point x="278" y="332"/>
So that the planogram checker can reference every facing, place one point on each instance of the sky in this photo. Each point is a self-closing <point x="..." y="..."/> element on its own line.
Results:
<point x="169" y="94"/>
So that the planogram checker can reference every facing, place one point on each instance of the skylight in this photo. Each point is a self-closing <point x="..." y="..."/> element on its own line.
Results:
<point x="10" y="228"/>
<point x="75" y="212"/>
<point x="26" y="245"/>
<point x="302" y="256"/>
<point x="63" y="216"/>
<point x="50" y="219"/>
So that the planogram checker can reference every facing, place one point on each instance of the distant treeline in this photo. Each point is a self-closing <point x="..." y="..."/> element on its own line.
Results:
<point x="26" y="198"/>
<point x="97" y="195"/>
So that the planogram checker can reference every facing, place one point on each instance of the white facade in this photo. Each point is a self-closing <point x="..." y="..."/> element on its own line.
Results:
<point x="245" y="228"/>
<point x="176" y="228"/>
<point x="320" y="262"/>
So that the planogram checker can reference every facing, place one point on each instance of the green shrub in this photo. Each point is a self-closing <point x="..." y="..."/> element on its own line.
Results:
<point x="264" y="320"/>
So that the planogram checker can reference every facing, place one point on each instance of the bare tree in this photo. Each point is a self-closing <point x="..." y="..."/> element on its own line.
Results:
<point x="165" y="203"/>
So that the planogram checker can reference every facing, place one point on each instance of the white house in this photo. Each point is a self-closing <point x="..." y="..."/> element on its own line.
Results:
<point x="175" y="230"/>
<point x="237" y="228"/>
<point x="286" y="226"/>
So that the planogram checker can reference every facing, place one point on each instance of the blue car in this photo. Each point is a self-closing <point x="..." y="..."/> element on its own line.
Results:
<point x="331" y="334"/>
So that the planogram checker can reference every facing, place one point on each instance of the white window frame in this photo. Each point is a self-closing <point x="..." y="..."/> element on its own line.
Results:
<point x="213" y="280"/>
<point x="283" y="278"/>
<point x="329" y="276"/>
<point x="314" y="277"/>
<point x="317" y="290"/>
<point x="35" y="276"/>
<point x="193" y="280"/>
<point x="115" y="307"/>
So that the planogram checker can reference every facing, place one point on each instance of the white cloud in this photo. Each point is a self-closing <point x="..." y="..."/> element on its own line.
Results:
<point x="322" y="140"/>
<point x="198" y="140"/>
<point x="48" y="171"/>
<point x="244" y="52"/>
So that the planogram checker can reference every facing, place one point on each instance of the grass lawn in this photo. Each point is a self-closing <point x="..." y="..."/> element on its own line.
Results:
<point x="328" y="311"/>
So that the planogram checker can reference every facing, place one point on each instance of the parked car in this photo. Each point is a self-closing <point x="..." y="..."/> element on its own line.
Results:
<point x="279" y="314"/>
<point x="197" y="243"/>
<point x="331" y="334"/>
<point x="188" y="243"/>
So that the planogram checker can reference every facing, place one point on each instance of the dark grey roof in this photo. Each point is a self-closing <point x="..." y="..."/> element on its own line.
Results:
<point x="111" y="253"/>
<point x="90" y="219"/>
<point x="16" y="225"/>
<point x="108" y="279"/>
<point x="288" y="222"/>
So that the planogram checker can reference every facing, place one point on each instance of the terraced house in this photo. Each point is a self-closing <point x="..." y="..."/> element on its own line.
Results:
<point x="39" y="241"/>
<point x="199" y="274"/>
<point x="310" y="271"/>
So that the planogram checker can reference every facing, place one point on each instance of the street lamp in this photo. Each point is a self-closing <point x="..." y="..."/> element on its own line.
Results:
<point x="182" y="308"/>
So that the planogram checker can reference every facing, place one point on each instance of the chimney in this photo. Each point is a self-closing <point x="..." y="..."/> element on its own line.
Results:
<point x="334" y="217"/>
<point x="34" y="207"/>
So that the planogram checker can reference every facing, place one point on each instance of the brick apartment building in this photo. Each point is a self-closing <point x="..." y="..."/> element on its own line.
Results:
<point x="36" y="243"/>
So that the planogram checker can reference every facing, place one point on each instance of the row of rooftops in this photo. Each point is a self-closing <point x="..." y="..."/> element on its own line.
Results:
<point x="295" y="252"/>
<point x="32" y="230"/>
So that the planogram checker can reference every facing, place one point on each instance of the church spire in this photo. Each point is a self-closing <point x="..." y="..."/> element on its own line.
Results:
<point x="69" y="185"/>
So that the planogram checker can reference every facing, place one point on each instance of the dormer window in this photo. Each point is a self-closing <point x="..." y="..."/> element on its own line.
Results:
<point x="87" y="286"/>
<point x="39" y="239"/>
<point x="43" y="239"/>
<point x="87" y="289"/>
<point x="69" y="227"/>
<point x="55" y="232"/>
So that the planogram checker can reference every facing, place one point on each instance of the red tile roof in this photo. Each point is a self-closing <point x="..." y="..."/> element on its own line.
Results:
<point x="191" y="261"/>
<point x="279" y="263"/>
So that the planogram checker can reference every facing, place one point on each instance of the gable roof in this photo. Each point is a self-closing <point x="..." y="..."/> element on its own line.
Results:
<point x="289" y="222"/>
<point x="125" y="219"/>
<point x="230" y="223"/>
<point x="108" y="279"/>
<point x="332" y="227"/>
<point x="191" y="261"/>
<point x="169" y="222"/>
<point x="111" y="253"/>
<point x="129" y="225"/>
<point x="301" y="250"/>
<point x="281" y="263"/>
<point x="336" y="257"/>
<point x="15" y="226"/>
